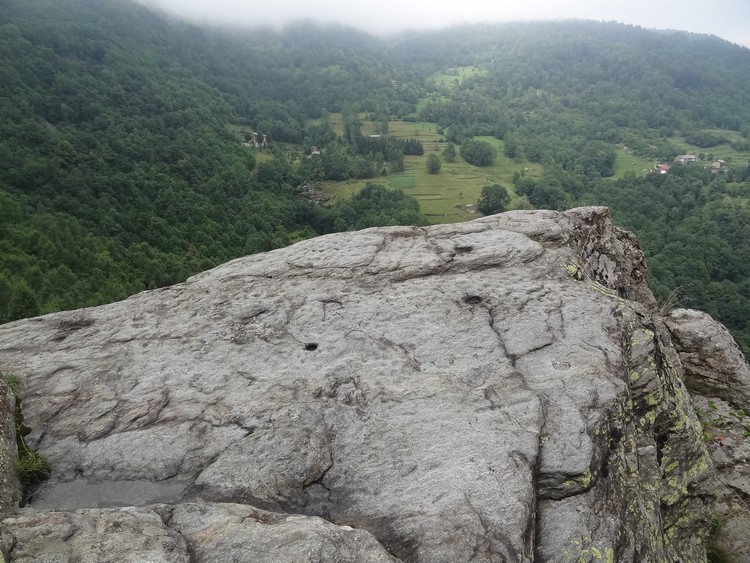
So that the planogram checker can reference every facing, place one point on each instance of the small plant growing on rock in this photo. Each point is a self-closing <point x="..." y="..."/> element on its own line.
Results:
<point x="31" y="467"/>
<point x="671" y="301"/>
<point x="715" y="553"/>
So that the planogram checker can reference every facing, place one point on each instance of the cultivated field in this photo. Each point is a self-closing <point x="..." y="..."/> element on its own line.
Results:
<point x="443" y="197"/>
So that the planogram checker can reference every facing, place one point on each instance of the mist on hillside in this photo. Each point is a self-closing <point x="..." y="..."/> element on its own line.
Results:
<point x="727" y="19"/>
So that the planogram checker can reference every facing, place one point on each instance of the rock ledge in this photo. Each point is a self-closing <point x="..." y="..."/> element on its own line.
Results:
<point x="497" y="390"/>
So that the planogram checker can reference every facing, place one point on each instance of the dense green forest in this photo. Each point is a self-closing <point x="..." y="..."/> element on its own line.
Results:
<point x="121" y="170"/>
<point x="124" y="137"/>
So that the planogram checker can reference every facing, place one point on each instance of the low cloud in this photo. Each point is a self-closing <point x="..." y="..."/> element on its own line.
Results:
<point x="729" y="19"/>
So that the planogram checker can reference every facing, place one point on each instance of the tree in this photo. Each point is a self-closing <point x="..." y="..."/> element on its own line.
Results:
<point x="494" y="199"/>
<point x="433" y="163"/>
<point x="352" y="127"/>
<point x="542" y="195"/>
<point x="449" y="153"/>
<point x="383" y="129"/>
<point x="396" y="163"/>
<point x="511" y="146"/>
<point x="478" y="153"/>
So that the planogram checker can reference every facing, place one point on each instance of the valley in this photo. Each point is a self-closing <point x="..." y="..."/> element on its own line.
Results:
<point x="129" y="162"/>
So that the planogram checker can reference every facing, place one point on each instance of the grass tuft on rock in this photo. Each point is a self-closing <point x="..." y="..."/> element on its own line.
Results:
<point x="31" y="468"/>
<point x="715" y="553"/>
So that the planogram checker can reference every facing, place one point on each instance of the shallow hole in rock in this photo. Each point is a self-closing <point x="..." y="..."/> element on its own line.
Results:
<point x="464" y="249"/>
<point x="311" y="346"/>
<point x="472" y="300"/>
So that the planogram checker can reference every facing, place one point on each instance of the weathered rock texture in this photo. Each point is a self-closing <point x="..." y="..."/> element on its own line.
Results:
<point x="10" y="488"/>
<point x="196" y="533"/>
<point x="719" y="377"/>
<point x="498" y="390"/>
<point x="714" y="364"/>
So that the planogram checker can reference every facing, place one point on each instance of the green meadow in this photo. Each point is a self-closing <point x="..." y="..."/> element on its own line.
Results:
<point x="453" y="76"/>
<point x="443" y="197"/>
<point x="629" y="162"/>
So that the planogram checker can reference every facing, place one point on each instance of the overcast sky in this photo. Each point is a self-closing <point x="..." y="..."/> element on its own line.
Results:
<point x="729" y="19"/>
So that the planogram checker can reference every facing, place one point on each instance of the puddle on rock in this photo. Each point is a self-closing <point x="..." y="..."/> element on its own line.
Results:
<point x="82" y="493"/>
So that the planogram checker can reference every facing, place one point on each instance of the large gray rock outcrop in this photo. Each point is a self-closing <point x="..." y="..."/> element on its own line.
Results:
<point x="714" y="364"/>
<point x="498" y="390"/>
<point x="719" y="377"/>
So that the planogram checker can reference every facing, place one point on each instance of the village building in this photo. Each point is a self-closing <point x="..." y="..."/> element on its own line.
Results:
<point x="685" y="159"/>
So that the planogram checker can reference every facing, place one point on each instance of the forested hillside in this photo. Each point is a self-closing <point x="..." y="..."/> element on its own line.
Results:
<point x="571" y="95"/>
<point x="122" y="166"/>
<point x="126" y="162"/>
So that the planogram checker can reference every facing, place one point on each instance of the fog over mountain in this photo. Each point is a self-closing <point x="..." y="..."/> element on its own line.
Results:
<point x="728" y="19"/>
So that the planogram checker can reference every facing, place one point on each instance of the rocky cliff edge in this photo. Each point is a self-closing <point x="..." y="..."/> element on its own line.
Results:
<point x="497" y="390"/>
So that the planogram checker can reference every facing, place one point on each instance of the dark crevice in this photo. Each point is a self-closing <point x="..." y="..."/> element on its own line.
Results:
<point x="661" y="439"/>
<point x="615" y="436"/>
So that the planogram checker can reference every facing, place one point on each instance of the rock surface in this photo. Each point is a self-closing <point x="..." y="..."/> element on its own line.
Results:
<point x="719" y="377"/>
<point x="714" y="364"/>
<point x="185" y="533"/>
<point x="10" y="488"/>
<point x="498" y="390"/>
<point x="130" y="535"/>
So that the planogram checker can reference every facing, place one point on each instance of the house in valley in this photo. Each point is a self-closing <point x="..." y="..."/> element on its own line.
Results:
<point x="685" y="159"/>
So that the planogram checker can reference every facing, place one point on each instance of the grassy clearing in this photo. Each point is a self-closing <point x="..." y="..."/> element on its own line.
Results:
<point x="629" y="162"/>
<point x="422" y="130"/>
<point x="402" y="181"/>
<point x="454" y="75"/>
<point x="239" y="131"/>
<point x="337" y="191"/>
<point x="443" y="197"/>
<point x="336" y="122"/>
<point x="262" y="156"/>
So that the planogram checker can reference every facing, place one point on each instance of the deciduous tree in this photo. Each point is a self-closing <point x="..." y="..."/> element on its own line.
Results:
<point x="494" y="199"/>
<point x="433" y="163"/>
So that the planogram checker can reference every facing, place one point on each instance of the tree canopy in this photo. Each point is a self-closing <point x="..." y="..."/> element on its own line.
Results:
<point x="494" y="199"/>
<point x="433" y="163"/>
<point x="480" y="153"/>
